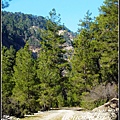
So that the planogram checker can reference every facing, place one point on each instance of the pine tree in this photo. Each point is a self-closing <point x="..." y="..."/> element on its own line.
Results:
<point x="86" y="23"/>
<point x="108" y="26"/>
<point x="83" y="75"/>
<point x="24" y="78"/>
<point x="8" y="61"/>
<point x="95" y="58"/>
<point x="52" y="64"/>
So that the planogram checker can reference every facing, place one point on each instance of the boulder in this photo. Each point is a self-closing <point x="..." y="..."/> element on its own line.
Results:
<point x="111" y="108"/>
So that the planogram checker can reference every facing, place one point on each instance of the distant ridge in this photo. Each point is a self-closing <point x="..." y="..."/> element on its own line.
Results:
<point x="19" y="28"/>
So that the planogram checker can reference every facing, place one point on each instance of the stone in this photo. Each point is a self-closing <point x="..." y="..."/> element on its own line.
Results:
<point x="109" y="110"/>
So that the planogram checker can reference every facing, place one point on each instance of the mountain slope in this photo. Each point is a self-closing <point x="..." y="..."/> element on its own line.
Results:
<point x="18" y="28"/>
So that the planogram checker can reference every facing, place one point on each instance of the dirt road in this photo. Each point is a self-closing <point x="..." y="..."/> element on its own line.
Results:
<point x="55" y="115"/>
<point x="61" y="115"/>
<point x="68" y="115"/>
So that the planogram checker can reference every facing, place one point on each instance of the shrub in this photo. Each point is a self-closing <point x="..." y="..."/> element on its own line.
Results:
<point x="98" y="95"/>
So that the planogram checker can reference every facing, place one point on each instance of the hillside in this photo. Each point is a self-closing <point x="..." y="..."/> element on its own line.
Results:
<point x="18" y="28"/>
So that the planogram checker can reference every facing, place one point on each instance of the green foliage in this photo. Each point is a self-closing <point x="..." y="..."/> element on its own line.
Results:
<point x="8" y="61"/>
<point x="83" y="73"/>
<point x="90" y="104"/>
<point x="109" y="35"/>
<point x="95" y="58"/>
<point x="17" y="28"/>
<point x="51" y="65"/>
<point x="87" y="79"/>
<point x="86" y="23"/>
<point x="24" y="77"/>
<point x="5" y="3"/>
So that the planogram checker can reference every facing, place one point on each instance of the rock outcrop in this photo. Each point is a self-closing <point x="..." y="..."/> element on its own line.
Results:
<point x="109" y="110"/>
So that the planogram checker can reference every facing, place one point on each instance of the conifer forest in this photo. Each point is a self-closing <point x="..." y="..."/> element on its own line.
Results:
<point x="45" y="65"/>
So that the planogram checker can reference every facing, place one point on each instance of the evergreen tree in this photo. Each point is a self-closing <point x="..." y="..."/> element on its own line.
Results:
<point x="24" y="77"/>
<point x="8" y="61"/>
<point x="5" y="3"/>
<point x="82" y="63"/>
<point x="108" y="26"/>
<point x="86" y="23"/>
<point x="95" y="57"/>
<point x="52" y="64"/>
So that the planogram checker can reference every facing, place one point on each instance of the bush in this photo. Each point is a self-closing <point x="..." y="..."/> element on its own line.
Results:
<point x="89" y="103"/>
<point x="98" y="95"/>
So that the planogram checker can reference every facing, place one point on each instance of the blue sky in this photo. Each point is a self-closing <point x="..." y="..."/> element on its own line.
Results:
<point x="71" y="11"/>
